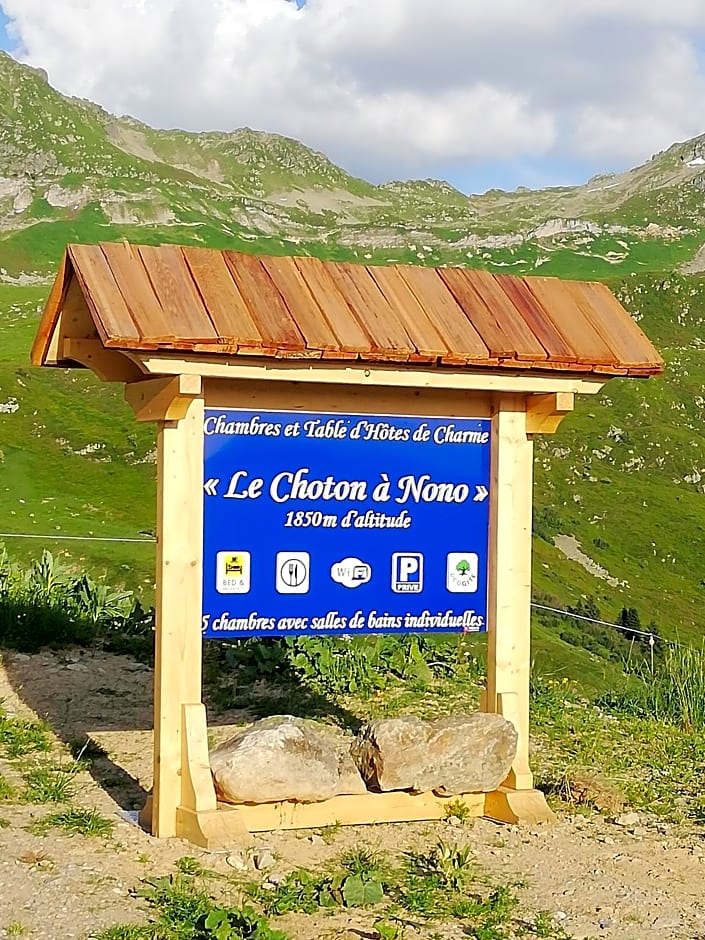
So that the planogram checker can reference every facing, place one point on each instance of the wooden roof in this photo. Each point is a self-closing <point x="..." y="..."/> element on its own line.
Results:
<point x="199" y="301"/>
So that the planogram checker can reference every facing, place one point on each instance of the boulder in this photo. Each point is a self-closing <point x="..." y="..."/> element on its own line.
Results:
<point x="284" y="758"/>
<point x="457" y="754"/>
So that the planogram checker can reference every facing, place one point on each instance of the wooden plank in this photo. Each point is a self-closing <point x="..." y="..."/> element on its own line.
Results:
<point x="172" y="283"/>
<point x="110" y="312"/>
<point x="388" y="338"/>
<point x="361" y="809"/>
<point x="177" y="665"/>
<point x="52" y="310"/>
<point x="422" y="333"/>
<point x="460" y="336"/>
<point x="230" y="315"/>
<point x="348" y="332"/>
<point x="136" y="288"/>
<point x="373" y="376"/>
<point x="493" y="316"/>
<point x="301" y="303"/>
<point x="616" y="326"/>
<point x="570" y="321"/>
<point x="229" y="825"/>
<point x="537" y="319"/>
<point x="271" y="315"/>
<point x="509" y="578"/>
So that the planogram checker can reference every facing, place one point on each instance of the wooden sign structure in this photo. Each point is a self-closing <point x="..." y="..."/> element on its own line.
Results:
<point x="187" y="328"/>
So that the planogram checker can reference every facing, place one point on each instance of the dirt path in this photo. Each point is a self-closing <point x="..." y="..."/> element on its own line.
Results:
<point x="598" y="879"/>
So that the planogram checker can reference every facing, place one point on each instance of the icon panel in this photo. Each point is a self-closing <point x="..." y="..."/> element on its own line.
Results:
<point x="407" y="572"/>
<point x="293" y="571"/>
<point x="232" y="572"/>
<point x="462" y="572"/>
<point x="351" y="572"/>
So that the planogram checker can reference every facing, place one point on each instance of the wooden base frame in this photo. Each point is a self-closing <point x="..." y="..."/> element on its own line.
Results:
<point x="203" y="821"/>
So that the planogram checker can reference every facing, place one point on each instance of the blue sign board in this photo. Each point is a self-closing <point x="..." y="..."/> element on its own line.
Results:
<point x="344" y="524"/>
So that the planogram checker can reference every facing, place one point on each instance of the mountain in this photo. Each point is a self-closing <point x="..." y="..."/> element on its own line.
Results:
<point x="69" y="170"/>
<point x="622" y="482"/>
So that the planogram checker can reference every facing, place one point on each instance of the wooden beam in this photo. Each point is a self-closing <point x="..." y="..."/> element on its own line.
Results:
<point x="545" y="412"/>
<point x="220" y="828"/>
<point x="177" y="666"/>
<point x="508" y="611"/>
<point x="364" y="374"/>
<point x="166" y="399"/>
<point x="108" y="364"/>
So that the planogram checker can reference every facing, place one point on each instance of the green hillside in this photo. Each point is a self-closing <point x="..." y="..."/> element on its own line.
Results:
<point x="625" y="475"/>
<point x="69" y="170"/>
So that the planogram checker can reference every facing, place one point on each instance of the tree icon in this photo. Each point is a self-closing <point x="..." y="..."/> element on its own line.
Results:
<point x="463" y="566"/>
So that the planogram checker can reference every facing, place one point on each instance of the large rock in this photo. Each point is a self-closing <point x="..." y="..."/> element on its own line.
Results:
<point x="284" y="758"/>
<point x="457" y="754"/>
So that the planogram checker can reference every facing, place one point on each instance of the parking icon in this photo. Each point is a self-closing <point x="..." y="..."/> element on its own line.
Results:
<point x="407" y="572"/>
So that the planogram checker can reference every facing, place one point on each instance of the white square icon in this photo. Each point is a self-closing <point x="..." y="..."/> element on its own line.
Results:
<point x="293" y="572"/>
<point x="461" y="572"/>
<point x="232" y="572"/>
<point x="407" y="572"/>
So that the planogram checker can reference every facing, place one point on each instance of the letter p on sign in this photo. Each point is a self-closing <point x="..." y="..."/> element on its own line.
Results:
<point x="407" y="572"/>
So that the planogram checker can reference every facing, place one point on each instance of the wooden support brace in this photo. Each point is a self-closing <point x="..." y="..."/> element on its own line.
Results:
<point x="197" y="790"/>
<point x="166" y="399"/>
<point x="545" y="412"/>
<point x="108" y="364"/>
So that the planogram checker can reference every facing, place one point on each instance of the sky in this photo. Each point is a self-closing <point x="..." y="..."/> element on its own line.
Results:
<point x="503" y="93"/>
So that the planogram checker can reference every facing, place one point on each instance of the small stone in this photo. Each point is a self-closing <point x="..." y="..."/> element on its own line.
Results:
<point x="315" y="839"/>
<point x="627" y="819"/>
<point x="263" y="859"/>
<point x="604" y="923"/>
<point x="237" y="862"/>
<point x="560" y="916"/>
<point x="667" y="923"/>
<point x="608" y="840"/>
<point x="639" y="832"/>
<point x="276" y="878"/>
<point x="455" y="821"/>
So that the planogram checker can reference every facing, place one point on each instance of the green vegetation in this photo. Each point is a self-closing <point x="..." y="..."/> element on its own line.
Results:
<point x="441" y="886"/>
<point x="182" y="910"/>
<point x="47" y="784"/>
<point x="75" y="821"/>
<point x="48" y="605"/>
<point x="15" y="929"/>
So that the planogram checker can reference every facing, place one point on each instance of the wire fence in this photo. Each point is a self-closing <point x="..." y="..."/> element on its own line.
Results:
<point x="74" y="538"/>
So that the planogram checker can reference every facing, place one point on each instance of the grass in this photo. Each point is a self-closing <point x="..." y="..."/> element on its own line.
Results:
<point x="592" y="755"/>
<point x="47" y="784"/>
<point x="7" y="791"/>
<point x="15" y="929"/>
<point x="76" y="821"/>
<point x="421" y="891"/>
<point x="182" y="910"/>
<point x="674" y="693"/>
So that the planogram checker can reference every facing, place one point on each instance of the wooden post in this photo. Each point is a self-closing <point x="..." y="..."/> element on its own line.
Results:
<point x="509" y="602"/>
<point x="177" y="664"/>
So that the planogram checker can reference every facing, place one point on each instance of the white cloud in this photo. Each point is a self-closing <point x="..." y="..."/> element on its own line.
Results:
<point x="389" y="87"/>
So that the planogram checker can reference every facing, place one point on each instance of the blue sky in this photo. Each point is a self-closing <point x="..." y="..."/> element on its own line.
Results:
<point x="4" y="38"/>
<point x="503" y="94"/>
